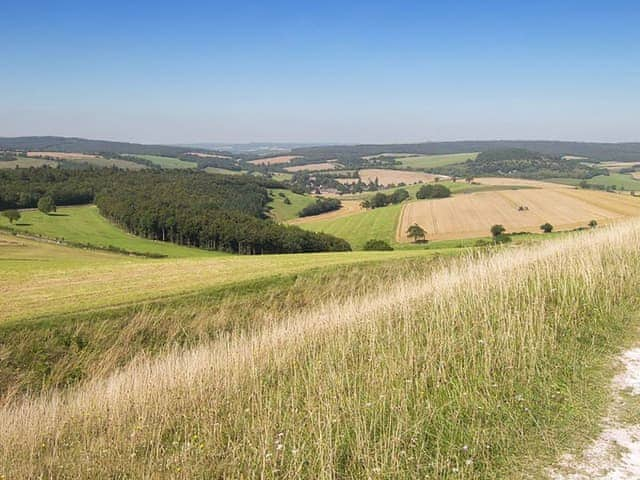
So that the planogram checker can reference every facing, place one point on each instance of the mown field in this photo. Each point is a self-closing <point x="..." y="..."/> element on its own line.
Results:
<point x="26" y="162"/>
<point x="168" y="162"/>
<point x="84" y="224"/>
<point x="433" y="161"/>
<point x="35" y="288"/>
<point x="480" y="366"/>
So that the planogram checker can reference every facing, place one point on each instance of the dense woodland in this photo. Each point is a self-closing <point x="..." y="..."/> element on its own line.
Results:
<point x="218" y="212"/>
<point x="516" y="162"/>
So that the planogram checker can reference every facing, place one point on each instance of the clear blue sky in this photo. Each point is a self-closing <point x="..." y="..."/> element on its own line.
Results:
<point x="330" y="71"/>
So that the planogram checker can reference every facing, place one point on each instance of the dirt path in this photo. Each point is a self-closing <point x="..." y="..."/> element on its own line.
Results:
<point x="615" y="454"/>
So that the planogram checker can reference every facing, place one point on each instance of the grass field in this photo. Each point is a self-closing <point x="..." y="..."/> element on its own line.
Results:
<point x="83" y="224"/>
<point x="282" y="212"/>
<point x="469" y="216"/>
<point x="377" y="224"/>
<point x="433" y="161"/>
<point x="168" y="162"/>
<point x="621" y="181"/>
<point x="25" y="162"/>
<point x="482" y="367"/>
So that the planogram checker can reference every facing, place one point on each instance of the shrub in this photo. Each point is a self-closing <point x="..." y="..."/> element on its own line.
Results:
<point x="377" y="245"/>
<point x="497" y="230"/>
<point x="546" y="227"/>
<point x="322" y="205"/>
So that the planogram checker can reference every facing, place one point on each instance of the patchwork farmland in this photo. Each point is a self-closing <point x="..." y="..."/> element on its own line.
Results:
<point x="471" y="215"/>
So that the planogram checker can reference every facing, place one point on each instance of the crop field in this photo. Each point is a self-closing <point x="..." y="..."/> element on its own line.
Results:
<point x="480" y="367"/>
<point x="329" y="165"/>
<point x="467" y="216"/>
<point x="393" y="177"/>
<point x="26" y="162"/>
<point x="433" y="161"/>
<point x="223" y="171"/>
<point x="274" y="160"/>
<point x="281" y="211"/>
<point x="168" y="162"/>
<point x="85" y="225"/>
<point x="32" y="288"/>
<point x="63" y="155"/>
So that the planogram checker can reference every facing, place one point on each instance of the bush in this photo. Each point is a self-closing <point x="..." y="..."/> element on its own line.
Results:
<point x="497" y="230"/>
<point x="546" y="227"/>
<point x="433" y="191"/>
<point x="377" y="245"/>
<point x="46" y="204"/>
<point x="502" y="238"/>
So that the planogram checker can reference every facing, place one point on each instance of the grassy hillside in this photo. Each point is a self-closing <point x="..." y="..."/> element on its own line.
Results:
<point x="432" y="161"/>
<point x="377" y="224"/>
<point x="84" y="225"/>
<point x="281" y="211"/>
<point x="100" y="284"/>
<point x="168" y="162"/>
<point x="479" y="368"/>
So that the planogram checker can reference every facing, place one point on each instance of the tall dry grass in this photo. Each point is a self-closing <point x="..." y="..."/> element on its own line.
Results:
<point x="459" y="374"/>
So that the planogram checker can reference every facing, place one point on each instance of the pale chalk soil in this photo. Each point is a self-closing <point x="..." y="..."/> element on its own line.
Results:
<point x="615" y="454"/>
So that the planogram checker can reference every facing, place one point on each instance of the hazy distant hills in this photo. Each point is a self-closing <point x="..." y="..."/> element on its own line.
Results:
<point x="596" y="151"/>
<point x="74" y="144"/>
<point x="629" y="152"/>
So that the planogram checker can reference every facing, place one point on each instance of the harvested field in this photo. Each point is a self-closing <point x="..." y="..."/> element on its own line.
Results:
<point x="349" y="207"/>
<point x="390" y="155"/>
<point x="389" y="177"/>
<point x="207" y="155"/>
<point x="63" y="155"/>
<point x="328" y="165"/>
<point x="274" y="160"/>
<point x="517" y="182"/>
<point x="472" y="215"/>
<point x="636" y="175"/>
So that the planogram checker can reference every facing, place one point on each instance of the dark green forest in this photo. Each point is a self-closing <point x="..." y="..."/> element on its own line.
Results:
<point x="517" y="162"/>
<point x="217" y="212"/>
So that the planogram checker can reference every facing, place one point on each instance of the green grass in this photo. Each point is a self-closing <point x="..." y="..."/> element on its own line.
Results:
<point x="379" y="224"/>
<point x="621" y="181"/>
<point x="83" y="224"/>
<point x="224" y="171"/>
<point x="168" y="162"/>
<point x="282" y="212"/>
<point x="434" y="161"/>
<point x="282" y="177"/>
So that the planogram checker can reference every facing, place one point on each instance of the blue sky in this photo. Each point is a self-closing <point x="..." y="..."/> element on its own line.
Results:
<point x="321" y="71"/>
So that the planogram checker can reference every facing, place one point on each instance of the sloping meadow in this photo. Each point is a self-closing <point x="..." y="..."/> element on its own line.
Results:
<point x="468" y="372"/>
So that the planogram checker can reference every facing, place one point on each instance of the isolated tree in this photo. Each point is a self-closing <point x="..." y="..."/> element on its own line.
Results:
<point x="593" y="224"/>
<point x="546" y="227"/>
<point x="497" y="230"/>
<point x="416" y="232"/>
<point x="46" y="205"/>
<point x="12" y="215"/>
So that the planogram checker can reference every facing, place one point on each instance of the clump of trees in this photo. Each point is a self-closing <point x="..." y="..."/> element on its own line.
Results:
<point x="321" y="205"/>
<point x="593" y="224"/>
<point x="380" y="245"/>
<point x="433" y="191"/>
<point x="382" y="200"/>
<point x="498" y="234"/>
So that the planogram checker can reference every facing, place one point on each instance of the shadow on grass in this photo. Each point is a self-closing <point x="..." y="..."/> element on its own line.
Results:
<point x="58" y="214"/>
<point x="22" y="224"/>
